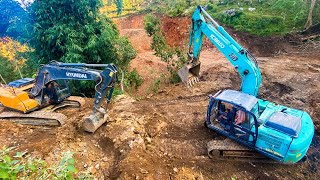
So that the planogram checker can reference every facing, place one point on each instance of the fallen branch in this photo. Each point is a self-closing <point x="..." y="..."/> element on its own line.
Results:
<point x="310" y="37"/>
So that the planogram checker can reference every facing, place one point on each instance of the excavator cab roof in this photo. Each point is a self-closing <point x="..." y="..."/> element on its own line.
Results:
<point x="238" y="98"/>
<point x="21" y="82"/>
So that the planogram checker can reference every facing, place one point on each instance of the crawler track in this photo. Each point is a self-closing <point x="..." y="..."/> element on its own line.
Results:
<point x="45" y="116"/>
<point x="38" y="118"/>
<point x="230" y="150"/>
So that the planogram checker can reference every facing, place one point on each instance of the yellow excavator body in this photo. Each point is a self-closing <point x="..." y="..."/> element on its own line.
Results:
<point x="17" y="99"/>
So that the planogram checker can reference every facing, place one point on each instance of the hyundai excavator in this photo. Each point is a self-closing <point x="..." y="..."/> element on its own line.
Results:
<point x="26" y="100"/>
<point x="261" y="129"/>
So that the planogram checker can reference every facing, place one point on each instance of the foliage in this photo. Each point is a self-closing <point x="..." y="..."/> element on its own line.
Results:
<point x="119" y="5"/>
<point x="116" y="92"/>
<point x="176" y="65"/>
<point x="7" y="71"/>
<point x="13" y="58"/>
<point x="24" y="166"/>
<point x="132" y="79"/>
<point x="151" y="24"/>
<point x="156" y="85"/>
<point x="82" y="36"/>
<point x="293" y="12"/>
<point x="174" y="8"/>
<point x="16" y="22"/>
<point x="125" y="52"/>
<point x="178" y="7"/>
<point x="269" y="17"/>
<point x="253" y="23"/>
<point x="114" y="8"/>
<point x="12" y="50"/>
<point x="171" y="55"/>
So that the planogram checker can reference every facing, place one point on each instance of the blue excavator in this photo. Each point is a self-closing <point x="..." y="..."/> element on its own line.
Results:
<point x="27" y="99"/>
<point x="262" y="128"/>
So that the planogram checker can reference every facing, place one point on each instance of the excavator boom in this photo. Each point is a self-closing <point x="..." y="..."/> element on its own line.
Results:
<point x="240" y="58"/>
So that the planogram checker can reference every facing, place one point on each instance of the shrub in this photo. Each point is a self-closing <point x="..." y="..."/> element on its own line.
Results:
<point x="132" y="79"/>
<point x="177" y="8"/>
<point x="172" y="56"/>
<point x="24" y="166"/>
<point x="258" y="24"/>
<point x="156" y="85"/>
<point x="151" y="24"/>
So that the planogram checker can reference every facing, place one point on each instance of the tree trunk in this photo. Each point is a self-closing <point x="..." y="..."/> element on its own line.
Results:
<point x="309" y="20"/>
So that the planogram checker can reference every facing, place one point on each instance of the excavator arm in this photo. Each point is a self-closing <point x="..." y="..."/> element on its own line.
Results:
<point x="240" y="58"/>
<point x="79" y="71"/>
<point x="76" y="71"/>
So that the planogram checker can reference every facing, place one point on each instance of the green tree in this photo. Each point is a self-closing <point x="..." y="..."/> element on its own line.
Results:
<point x="73" y="31"/>
<point x="15" y="21"/>
<point x="7" y="71"/>
<point x="119" y="5"/>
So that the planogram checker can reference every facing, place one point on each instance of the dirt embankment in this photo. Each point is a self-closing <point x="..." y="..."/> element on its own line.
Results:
<point x="176" y="31"/>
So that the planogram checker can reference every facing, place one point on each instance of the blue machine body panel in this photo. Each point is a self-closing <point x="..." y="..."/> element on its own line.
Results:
<point x="21" y="82"/>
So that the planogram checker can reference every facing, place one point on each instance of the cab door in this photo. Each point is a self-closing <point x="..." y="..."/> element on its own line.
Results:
<point x="232" y="121"/>
<point x="244" y="126"/>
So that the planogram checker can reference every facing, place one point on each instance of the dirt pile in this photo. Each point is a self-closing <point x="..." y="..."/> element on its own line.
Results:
<point x="177" y="31"/>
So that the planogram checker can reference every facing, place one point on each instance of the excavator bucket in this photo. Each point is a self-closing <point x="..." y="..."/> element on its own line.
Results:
<point x="189" y="74"/>
<point x="95" y="120"/>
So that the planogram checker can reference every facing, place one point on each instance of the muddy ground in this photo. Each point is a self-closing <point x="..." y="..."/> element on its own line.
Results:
<point x="159" y="134"/>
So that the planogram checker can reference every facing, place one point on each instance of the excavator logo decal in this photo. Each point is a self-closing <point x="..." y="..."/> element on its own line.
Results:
<point x="217" y="40"/>
<point x="77" y="75"/>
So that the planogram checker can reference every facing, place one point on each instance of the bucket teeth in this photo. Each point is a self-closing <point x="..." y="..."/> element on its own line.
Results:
<point x="189" y="73"/>
<point x="192" y="80"/>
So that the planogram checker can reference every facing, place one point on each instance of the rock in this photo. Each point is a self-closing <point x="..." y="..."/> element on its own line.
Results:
<point x="105" y="159"/>
<point x="175" y="170"/>
<point x="161" y="149"/>
<point x="196" y="90"/>
<point x="97" y="166"/>
<point x="143" y="171"/>
<point x="149" y="96"/>
<point x="148" y="139"/>
<point x="92" y="170"/>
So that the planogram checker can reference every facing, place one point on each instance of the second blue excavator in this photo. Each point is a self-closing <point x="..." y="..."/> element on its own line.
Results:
<point x="279" y="132"/>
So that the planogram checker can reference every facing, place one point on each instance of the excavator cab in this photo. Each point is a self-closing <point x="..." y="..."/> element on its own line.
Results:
<point x="56" y="91"/>
<point x="233" y="115"/>
<point x="281" y="133"/>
